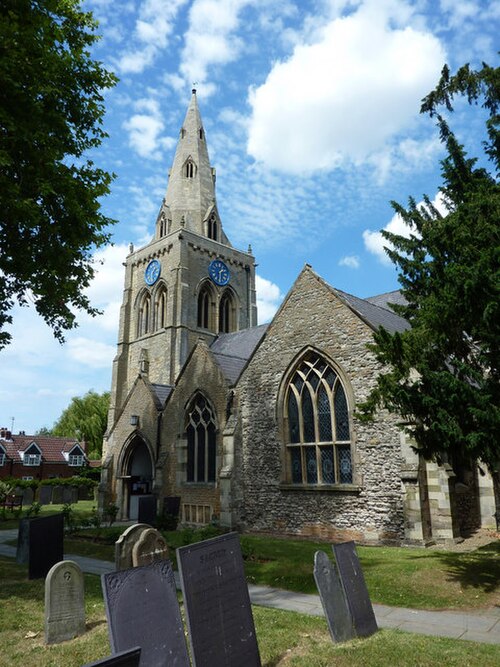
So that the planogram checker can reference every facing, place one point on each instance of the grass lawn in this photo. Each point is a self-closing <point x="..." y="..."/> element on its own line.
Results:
<point x="285" y="639"/>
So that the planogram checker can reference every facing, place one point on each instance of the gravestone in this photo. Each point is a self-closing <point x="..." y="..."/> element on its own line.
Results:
<point x="331" y="593"/>
<point x="64" y="603"/>
<point x="69" y="494"/>
<point x="355" y="589"/>
<point x="28" y="496"/>
<point x="40" y="543"/>
<point x="149" y="548"/>
<point x="57" y="495"/>
<point x="45" y="495"/>
<point x="123" y="659"/>
<point x="217" y="604"/>
<point x="125" y="543"/>
<point x="147" y="509"/>
<point x="142" y="610"/>
<point x="172" y="505"/>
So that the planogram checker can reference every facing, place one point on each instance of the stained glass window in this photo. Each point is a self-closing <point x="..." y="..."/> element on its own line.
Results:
<point x="318" y="425"/>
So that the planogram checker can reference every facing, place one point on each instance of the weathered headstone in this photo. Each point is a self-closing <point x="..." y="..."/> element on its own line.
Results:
<point x="28" y="496"/>
<point x="125" y="543"/>
<point x="57" y="495"/>
<point x="45" y="495"/>
<point x="129" y="658"/>
<point x="331" y="593"/>
<point x="147" y="509"/>
<point x="23" y="541"/>
<point x="217" y="604"/>
<point x="142" y="610"/>
<point x="64" y="602"/>
<point x="354" y="585"/>
<point x="69" y="494"/>
<point x="149" y="548"/>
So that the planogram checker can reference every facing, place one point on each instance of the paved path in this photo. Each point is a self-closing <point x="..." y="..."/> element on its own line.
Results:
<point x="480" y="626"/>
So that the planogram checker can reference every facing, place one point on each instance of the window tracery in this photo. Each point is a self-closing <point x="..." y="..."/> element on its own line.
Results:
<point x="201" y="441"/>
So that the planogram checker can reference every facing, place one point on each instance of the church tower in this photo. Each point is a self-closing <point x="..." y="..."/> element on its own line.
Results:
<point x="188" y="282"/>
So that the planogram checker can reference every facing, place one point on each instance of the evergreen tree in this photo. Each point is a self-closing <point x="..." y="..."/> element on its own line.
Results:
<point x="442" y="375"/>
<point x="51" y="111"/>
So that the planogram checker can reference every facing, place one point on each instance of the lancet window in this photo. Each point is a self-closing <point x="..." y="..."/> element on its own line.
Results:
<point x="144" y="315"/>
<point x="227" y="313"/>
<point x="201" y="441"/>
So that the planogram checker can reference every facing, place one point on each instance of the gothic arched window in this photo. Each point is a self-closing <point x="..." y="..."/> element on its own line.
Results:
<point x="201" y="445"/>
<point x="318" y="447"/>
<point x="190" y="168"/>
<point x="227" y="313"/>
<point x="144" y="319"/>
<point x="205" y="308"/>
<point x="160" y="315"/>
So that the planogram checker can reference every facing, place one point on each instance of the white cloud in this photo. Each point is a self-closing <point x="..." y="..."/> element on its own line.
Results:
<point x="210" y="38"/>
<point x="348" y="94"/>
<point x="375" y="242"/>
<point x="153" y="27"/>
<point x="351" y="261"/>
<point x="145" y="130"/>
<point x="91" y="352"/>
<point x="269" y="297"/>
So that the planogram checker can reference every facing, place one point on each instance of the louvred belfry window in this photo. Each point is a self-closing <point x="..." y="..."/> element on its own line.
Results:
<point x="317" y="426"/>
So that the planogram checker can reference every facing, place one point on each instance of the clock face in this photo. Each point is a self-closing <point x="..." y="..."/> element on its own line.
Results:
<point x="152" y="272"/>
<point x="219" y="272"/>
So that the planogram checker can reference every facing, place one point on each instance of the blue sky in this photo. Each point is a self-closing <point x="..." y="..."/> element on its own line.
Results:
<point x="311" y="115"/>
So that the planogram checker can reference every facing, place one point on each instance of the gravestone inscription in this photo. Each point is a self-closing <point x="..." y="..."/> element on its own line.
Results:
<point x="64" y="602"/>
<point x="125" y="543"/>
<point x="149" y="548"/>
<point x="217" y="604"/>
<point x="331" y="593"/>
<point x="147" y="509"/>
<point x="129" y="658"/>
<point x="354" y="585"/>
<point x="142" y="610"/>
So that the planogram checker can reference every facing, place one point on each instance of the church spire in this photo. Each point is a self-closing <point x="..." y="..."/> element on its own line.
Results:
<point x="191" y="187"/>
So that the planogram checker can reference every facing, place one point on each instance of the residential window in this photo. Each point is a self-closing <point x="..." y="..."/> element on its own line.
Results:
<point x="200" y="431"/>
<point x="76" y="459"/>
<point x="31" y="459"/>
<point x="2" y="458"/>
<point x="318" y="447"/>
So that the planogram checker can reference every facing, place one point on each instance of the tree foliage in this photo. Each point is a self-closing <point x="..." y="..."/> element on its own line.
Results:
<point x="51" y="112"/>
<point x="443" y="374"/>
<point x="85" y="418"/>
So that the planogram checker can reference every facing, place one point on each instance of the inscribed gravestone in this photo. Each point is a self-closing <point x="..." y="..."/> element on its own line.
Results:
<point x="217" y="604"/>
<point x="355" y="589"/>
<point x="147" y="509"/>
<point x="142" y="610"/>
<point x="149" y="548"/>
<point x="333" y="598"/>
<point x="125" y="543"/>
<point x="123" y="659"/>
<point x="64" y="602"/>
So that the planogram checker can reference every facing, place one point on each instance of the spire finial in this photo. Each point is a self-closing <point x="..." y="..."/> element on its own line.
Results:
<point x="193" y="89"/>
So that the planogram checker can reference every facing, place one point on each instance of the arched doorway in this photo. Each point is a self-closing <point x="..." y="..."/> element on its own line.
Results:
<point x="138" y="476"/>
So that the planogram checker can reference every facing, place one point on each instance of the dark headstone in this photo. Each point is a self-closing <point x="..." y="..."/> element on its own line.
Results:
<point x="172" y="505"/>
<point x="64" y="602"/>
<point x="57" y="495"/>
<point x="28" y="496"/>
<point x="45" y="544"/>
<point x="142" y="610"/>
<point x="333" y="598"/>
<point x="69" y="494"/>
<point x="23" y="542"/>
<point x="217" y="604"/>
<point x="356" y="592"/>
<point x="45" y="495"/>
<point x="147" y="510"/>
<point x="129" y="658"/>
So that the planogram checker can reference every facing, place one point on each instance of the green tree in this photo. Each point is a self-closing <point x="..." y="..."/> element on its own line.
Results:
<point x="85" y="418"/>
<point x="442" y="375"/>
<point x="51" y="113"/>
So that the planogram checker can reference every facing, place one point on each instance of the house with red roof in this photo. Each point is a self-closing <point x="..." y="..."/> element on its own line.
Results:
<point x="39" y="457"/>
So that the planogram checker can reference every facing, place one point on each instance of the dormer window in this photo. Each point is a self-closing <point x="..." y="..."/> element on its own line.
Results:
<point x="76" y="460"/>
<point x="32" y="456"/>
<point x="190" y="169"/>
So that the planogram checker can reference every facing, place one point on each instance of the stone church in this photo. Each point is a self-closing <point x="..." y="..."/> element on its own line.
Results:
<point x="253" y="427"/>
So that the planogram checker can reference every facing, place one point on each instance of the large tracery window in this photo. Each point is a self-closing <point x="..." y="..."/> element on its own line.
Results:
<point x="201" y="446"/>
<point x="317" y="426"/>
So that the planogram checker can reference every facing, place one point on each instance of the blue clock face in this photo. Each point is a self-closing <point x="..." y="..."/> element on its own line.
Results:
<point x="219" y="272"/>
<point x="152" y="272"/>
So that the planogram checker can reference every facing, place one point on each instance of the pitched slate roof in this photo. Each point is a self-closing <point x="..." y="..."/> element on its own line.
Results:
<point x="53" y="449"/>
<point x="162" y="392"/>
<point x="373" y="314"/>
<point x="233" y="350"/>
<point x="384" y="300"/>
